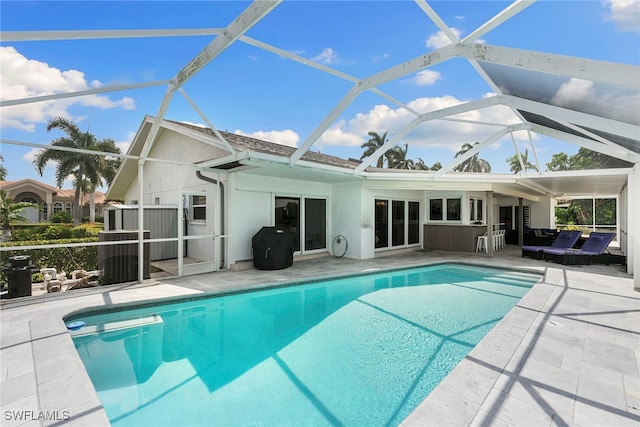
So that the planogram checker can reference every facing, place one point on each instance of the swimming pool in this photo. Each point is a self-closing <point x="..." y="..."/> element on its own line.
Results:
<point x="362" y="350"/>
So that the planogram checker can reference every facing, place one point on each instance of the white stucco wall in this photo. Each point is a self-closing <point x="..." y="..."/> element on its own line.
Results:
<point x="369" y="195"/>
<point x="251" y="199"/>
<point x="166" y="183"/>
<point x="347" y="217"/>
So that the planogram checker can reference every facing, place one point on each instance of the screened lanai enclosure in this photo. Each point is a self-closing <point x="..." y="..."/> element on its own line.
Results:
<point x="223" y="186"/>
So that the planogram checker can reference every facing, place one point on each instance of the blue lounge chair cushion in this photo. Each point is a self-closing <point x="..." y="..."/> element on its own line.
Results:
<point x="566" y="239"/>
<point x="596" y="244"/>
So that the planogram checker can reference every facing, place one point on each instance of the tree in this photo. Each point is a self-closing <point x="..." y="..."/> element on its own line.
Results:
<point x="516" y="167"/>
<point x="397" y="158"/>
<point x="3" y="170"/>
<point x="420" y="165"/>
<point x="473" y="163"/>
<point x="87" y="170"/>
<point x="371" y="146"/>
<point x="559" y="162"/>
<point x="584" y="159"/>
<point x="11" y="211"/>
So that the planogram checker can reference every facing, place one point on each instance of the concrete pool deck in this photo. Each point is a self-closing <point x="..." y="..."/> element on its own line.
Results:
<point x="567" y="354"/>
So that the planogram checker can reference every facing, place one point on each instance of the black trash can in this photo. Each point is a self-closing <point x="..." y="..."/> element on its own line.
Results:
<point x="18" y="271"/>
<point x="273" y="248"/>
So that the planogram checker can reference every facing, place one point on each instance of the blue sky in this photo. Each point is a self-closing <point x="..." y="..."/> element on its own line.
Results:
<point x="258" y="93"/>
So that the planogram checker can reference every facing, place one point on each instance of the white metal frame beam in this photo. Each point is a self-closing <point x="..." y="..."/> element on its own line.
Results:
<point x="26" y="36"/>
<point x="400" y="70"/>
<point x="582" y="68"/>
<point x="618" y="152"/>
<point x="476" y="149"/>
<point x="560" y="114"/>
<point x="433" y="115"/>
<point x="52" y="97"/>
<point x="247" y="19"/>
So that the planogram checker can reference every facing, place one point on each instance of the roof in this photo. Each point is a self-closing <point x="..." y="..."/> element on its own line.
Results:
<point x="242" y="143"/>
<point x="58" y="192"/>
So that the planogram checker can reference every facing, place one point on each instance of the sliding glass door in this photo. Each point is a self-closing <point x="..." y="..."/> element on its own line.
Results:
<point x="398" y="226"/>
<point x="305" y="218"/>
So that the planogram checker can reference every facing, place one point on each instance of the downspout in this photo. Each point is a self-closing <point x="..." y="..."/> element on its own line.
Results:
<point x="222" y="216"/>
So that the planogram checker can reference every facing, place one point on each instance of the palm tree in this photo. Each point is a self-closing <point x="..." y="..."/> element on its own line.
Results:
<point x="371" y="146"/>
<point x="397" y="158"/>
<point x="11" y="211"/>
<point x="420" y="165"/>
<point x="87" y="170"/>
<point x="473" y="163"/>
<point x="514" y="162"/>
<point x="3" y="170"/>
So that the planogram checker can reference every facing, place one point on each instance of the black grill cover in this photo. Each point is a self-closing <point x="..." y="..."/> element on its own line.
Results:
<point x="272" y="248"/>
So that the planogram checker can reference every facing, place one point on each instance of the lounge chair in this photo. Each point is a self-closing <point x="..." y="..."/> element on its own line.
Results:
<point x="594" y="250"/>
<point x="565" y="239"/>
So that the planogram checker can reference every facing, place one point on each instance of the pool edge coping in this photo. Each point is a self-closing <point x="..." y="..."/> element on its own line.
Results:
<point x="83" y="403"/>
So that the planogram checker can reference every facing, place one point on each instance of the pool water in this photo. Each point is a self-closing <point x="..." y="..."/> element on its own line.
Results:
<point x="356" y="351"/>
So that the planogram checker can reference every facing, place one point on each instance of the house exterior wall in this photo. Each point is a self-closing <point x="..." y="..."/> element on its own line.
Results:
<point x="369" y="195"/>
<point x="166" y="184"/>
<point x="45" y="196"/>
<point x="251" y="206"/>
<point x="350" y="220"/>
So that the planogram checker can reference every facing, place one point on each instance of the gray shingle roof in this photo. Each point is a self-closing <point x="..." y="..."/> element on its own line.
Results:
<point x="245" y="143"/>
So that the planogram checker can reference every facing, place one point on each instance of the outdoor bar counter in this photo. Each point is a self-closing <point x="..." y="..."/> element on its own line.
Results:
<point x="452" y="237"/>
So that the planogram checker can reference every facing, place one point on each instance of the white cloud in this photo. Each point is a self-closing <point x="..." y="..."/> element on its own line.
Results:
<point x="459" y="17"/>
<point x="284" y="137"/>
<point x="572" y="91"/>
<point x="435" y="133"/>
<point x="439" y="39"/>
<point x="427" y="77"/>
<point x="327" y="56"/>
<point x="23" y="78"/>
<point x="624" y="13"/>
<point x="30" y="155"/>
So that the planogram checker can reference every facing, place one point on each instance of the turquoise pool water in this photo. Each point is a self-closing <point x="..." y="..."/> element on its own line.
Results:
<point x="357" y="351"/>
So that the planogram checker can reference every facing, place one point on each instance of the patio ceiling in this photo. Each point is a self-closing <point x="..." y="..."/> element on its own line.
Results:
<point x="527" y="82"/>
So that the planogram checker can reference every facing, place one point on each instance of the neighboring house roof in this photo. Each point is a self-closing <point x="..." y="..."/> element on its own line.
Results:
<point x="15" y="187"/>
<point x="8" y="185"/>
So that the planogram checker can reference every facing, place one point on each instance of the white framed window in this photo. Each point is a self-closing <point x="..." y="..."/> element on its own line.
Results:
<point x="445" y="209"/>
<point x="67" y="207"/>
<point x="57" y="207"/>
<point x="198" y="208"/>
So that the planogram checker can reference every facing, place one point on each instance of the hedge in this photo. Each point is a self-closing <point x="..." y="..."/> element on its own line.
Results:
<point x="46" y="232"/>
<point x="64" y="259"/>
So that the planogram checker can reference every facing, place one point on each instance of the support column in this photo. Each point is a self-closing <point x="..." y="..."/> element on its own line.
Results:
<point x="141" y="220"/>
<point x="520" y="223"/>
<point x="633" y="226"/>
<point x="490" y="222"/>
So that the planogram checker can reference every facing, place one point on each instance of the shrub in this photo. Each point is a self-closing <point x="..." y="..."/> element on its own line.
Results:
<point x="86" y="230"/>
<point x="61" y="217"/>
<point x="56" y="232"/>
<point x="87" y="219"/>
<point x="62" y="259"/>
